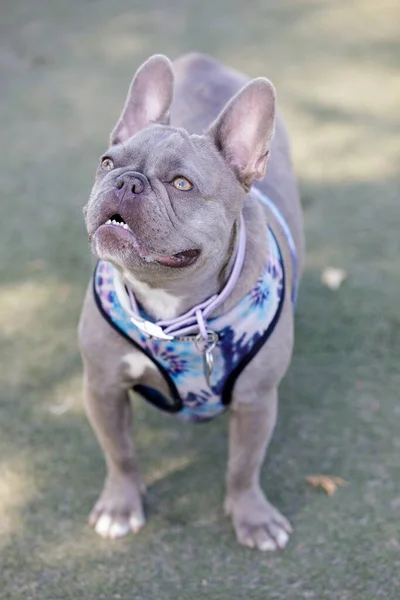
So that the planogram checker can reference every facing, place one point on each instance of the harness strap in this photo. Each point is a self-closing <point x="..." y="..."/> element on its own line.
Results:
<point x="290" y="240"/>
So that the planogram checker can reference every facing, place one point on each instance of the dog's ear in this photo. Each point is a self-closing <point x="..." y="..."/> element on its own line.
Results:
<point x="244" y="129"/>
<point x="149" y="99"/>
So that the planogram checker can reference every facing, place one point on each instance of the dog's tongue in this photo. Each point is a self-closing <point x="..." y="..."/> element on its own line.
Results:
<point x="182" y="259"/>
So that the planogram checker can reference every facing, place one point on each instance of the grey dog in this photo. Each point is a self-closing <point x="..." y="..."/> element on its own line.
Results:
<point x="171" y="196"/>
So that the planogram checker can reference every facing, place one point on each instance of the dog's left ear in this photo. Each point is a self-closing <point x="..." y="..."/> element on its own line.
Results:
<point x="149" y="99"/>
<point x="244" y="129"/>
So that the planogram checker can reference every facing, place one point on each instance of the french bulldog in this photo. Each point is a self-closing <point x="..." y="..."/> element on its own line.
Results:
<point x="196" y="150"/>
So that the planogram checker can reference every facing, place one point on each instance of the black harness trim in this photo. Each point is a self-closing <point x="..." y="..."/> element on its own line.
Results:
<point x="148" y="393"/>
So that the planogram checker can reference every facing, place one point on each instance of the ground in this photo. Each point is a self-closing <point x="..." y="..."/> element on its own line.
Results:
<point x="64" y="71"/>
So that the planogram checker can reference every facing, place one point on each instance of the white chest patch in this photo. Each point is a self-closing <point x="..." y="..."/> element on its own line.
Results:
<point x="159" y="303"/>
<point x="136" y="364"/>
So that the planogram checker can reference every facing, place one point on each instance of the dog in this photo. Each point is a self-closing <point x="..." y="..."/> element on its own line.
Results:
<point x="200" y="251"/>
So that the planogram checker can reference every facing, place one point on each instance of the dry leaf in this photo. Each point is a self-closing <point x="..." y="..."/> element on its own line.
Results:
<point x="328" y="482"/>
<point x="333" y="278"/>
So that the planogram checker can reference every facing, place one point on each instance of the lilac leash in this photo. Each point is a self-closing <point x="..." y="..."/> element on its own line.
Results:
<point x="194" y="320"/>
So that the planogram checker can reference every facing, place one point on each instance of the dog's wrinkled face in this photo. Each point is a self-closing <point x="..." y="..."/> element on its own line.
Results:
<point x="169" y="203"/>
<point x="164" y="202"/>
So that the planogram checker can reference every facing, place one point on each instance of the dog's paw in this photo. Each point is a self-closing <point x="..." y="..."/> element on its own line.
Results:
<point x="257" y="523"/>
<point x="118" y="510"/>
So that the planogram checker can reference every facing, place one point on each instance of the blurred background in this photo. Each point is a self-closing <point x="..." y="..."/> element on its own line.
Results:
<point x="65" y="67"/>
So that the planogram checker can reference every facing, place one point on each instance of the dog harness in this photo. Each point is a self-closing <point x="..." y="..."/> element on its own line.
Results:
<point x="201" y="368"/>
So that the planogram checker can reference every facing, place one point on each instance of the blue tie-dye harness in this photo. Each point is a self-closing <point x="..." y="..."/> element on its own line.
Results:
<point x="240" y="333"/>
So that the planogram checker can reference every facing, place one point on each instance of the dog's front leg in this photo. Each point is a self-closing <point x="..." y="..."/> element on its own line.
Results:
<point x="257" y="523"/>
<point x="119" y="507"/>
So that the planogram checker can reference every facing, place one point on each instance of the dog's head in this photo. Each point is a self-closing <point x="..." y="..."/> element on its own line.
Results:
<point x="164" y="202"/>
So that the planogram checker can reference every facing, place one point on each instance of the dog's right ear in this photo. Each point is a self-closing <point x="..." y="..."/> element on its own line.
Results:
<point x="149" y="99"/>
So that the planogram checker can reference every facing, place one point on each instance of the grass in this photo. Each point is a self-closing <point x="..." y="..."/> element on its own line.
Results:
<point x="65" y="68"/>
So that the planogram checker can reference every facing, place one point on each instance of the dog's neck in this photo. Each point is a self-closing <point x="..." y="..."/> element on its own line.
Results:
<point x="173" y="300"/>
<point x="169" y="302"/>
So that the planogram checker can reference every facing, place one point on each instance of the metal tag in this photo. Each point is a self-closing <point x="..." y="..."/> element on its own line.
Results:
<point x="208" y="365"/>
<point x="207" y="347"/>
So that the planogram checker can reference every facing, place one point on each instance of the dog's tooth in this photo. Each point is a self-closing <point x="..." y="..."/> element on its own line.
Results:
<point x="114" y="222"/>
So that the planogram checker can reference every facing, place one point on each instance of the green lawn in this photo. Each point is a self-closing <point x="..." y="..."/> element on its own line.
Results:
<point x="64" y="70"/>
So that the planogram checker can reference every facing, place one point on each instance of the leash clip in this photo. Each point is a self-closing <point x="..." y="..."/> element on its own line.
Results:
<point x="150" y="329"/>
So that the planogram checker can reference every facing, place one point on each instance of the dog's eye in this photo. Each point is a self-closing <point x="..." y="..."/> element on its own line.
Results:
<point x="107" y="164"/>
<point x="181" y="183"/>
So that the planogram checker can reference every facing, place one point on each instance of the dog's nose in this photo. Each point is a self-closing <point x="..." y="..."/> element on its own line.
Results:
<point x="131" y="183"/>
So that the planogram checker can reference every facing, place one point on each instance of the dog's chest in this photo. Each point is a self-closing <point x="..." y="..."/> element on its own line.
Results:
<point x="159" y="302"/>
<point x="194" y="393"/>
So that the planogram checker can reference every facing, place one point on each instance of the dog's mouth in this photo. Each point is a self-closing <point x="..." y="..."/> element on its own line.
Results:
<point x="185" y="258"/>
<point x="118" y="221"/>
